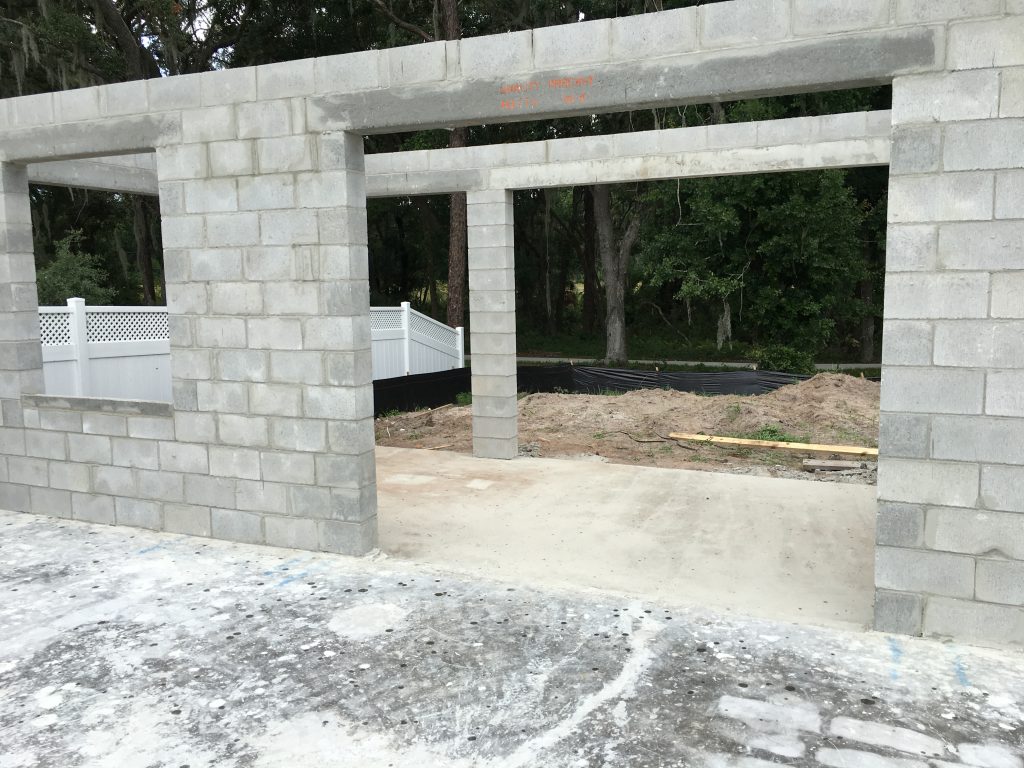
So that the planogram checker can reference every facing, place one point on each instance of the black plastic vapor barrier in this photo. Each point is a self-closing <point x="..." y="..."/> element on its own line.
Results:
<point x="430" y="390"/>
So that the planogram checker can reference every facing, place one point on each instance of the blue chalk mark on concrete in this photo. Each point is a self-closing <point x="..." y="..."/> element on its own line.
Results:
<point x="896" y="650"/>
<point x="147" y="550"/>
<point x="289" y="579"/>
<point x="961" y="672"/>
<point x="283" y="566"/>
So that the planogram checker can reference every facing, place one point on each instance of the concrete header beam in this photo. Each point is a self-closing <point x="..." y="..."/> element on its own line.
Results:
<point x="806" y="143"/>
<point x="729" y="50"/>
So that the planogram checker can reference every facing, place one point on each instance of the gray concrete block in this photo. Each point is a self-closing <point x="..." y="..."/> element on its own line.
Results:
<point x="907" y="342"/>
<point x="946" y="97"/>
<point x="182" y="232"/>
<point x="350" y="437"/>
<point x="115" y="481"/>
<point x="287" y="467"/>
<point x="89" y="449"/>
<point x="267" y="191"/>
<point x="292" y="532"/>
<point x="183" y="395"/>
<point x="409" y="64"/>
<point x="78" y="104"/>
<point x="210" y="195"/>
<point x="231" y="158"/>
<point x="274" y="333"/>
<point x="240" y="463"/>
<point x="222" y="396"/>
<point x="351" y="472"/>
<point x="964" y="343"/>
<point x="1002" y="488"/>
<point x="184" y="457"/>
<point x="337" y="402"/>
<point x="345" y="298"/>
<point x="976" y="532"/>
<point x="899" y="525"/>
<point x="264" y="119"/>
<point x="242" y="430"/>
<point x="348" y="538"/>
<point x="898" y="612"/>
<point x="187" y="519"/>
<point x="723" y="26"/>
<point x="181" y="92"/>
<point x="12" y="441"/>
<point x="209" y="491"/>
<point x="268" y="263"/>
<point x="928" y="482"/>
<point x="298" y="434"/>
<point x="228" y="86"/>
<point x="904" y="435"/>
<point x="195" y="427"/>
<point x="495" y="447"/>
<point x="275" y="400"/>
<point x="913" y="11"/>
<point x="931" y="390"/>
<point x="648" y="35"/>
<point x="351" y="72"/>
<point x="50" y="502"/>
<point x="15" y="498"/>
<point x="915" y="570"/>
<point x="90" y="508"/>
<point x="1000" y="581"/>
<point x="27" y="471"/>
<point x="1010" y="194"/>
<point x="970" y="621"/>
<point x="496" y="257"/>
<point x="984" y="44"/>
<point x="291" y="298"/>
<point x="495" y="427"/>
<point x="289" y="227"/>
<point x="160" y="485"/>
<point x="994" y="245"/>
<point x="491" y="301"/>
<point x="233" y="525"/>
<point x="243" y="365"/>
<point x="348" y="369"/>
<point x="217" y="264"/>
<point x="812" y="17"/>
<point x="208" y="124"/>
<point x="341" y="262"/>
<point x="924" y="295"/>
<point x="941" y="197"/>
<point x="1004" y="393"/>
<point x="151" y="427"/>
<point x="139" y="514"/>
<point x="232" y="230"/>
<point x="34" y="110"/>
<point x="104" y="424"/>
<point x="258" y="496"/>
<point x="342" y="334"/>
<point x="989" y="144"/>
<point x="45" y="445"/>
<point x="60" y="421"/>
<point x="916" y="149"/>
<point x="71" y="477"/>
<point x="284" y="154"/>
<point x="1011" y="101"/>
<point x="977" y="438"/>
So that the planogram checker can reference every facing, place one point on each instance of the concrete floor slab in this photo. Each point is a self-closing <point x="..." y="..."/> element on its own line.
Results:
<point x="776" y="548"/>
<point x="133" y="649"/>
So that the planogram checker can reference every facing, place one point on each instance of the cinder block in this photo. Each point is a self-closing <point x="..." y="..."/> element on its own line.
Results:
<point x="12" y="441"/>
<point x="970" y="621"/>
<point x="898" y="612"/>
<point x="274" y="333"/>
<point x="1003" y="488"/>
<point x="264" y="119"/>
<point x="351" y="437"/>
<point x="233" y="525"/>
<point x="91" y="508"/>
<point x="930" y="295"/>
<point x="941" y="197"/>
<point x="964" y="343"/>
<point x="1010" y="196"/>
<point x="179" y="92"/>
<point x="812" y="17"/>
<point x="493" y="365"/>
<point x="242" y="430"/>
<point x="232" y="158"/>
<point x="496" y="427"/>
<point x="285" y="79"/>
<point x="151" y="427"/>
<point x="298" y="434"/>
<point x="45" y="445"/>
<point x="907" y="342"/>
<point x="352" y="472"/>
<point x="208" y="124"/>
<point x="222" y="396"/>
<point x="195" y="427"/>
<point x="183" y="395"/>
<point x="211" y="195"/>
<point x="228" y="86"/>
<point x="160" y="485"/>
<point x="904" y="435"/>
<point x="78" y="104"/>
<point x="190" y="363"/>
<point x="284" y="154"/>
<point x="1011" y="102"/>
<point x="1008" y="345"/>
<point x="493" y="343"/>
<point x="916" y="149"/>
<point x="291" y="298"/>
<point x="60" y="421"/>
<point x="231" y="230"/>
<point x="651" y="35"/>
<point x="754" y="21"/>
<point x="240" y="463"/>
<point x="913" y="11"/>
<point x="977" y="438"/>
<point x="337" y="402"/>
<point x="982" y="145"/>
<point x="292" y="532"/>
<point x="220" y="332"/>
<point x="50" y="502"/>
<point x="30" y="111"/>
<point x="243" y="365"/>
<point x="412" y="64"/>
<point x="258" y="496"/>
<point x="984" y="44"/>
<point x="267" y="191"/>
<point x="104" y="424"/>
<point x="139" y="514"/>
<point x="182" y="232"/>
<point x="184" y="457"/>
<point x="928" y="482"/>
<point x="296" y="226"/>
<point x="348" y="538"/>
<point x="1004" y="393"/>
<point x="344" y="334"/>
<point x="1000" y="581"/>
<point x="187" y="519"/>
<point x="15" y="498"/>
<point x="124" y="98"/>
<point x="924" y="390"/>
<point x="495" y="447"/>
<point x="71" y="477"/>
<point x="209" y="491"/>
<point x="89" y="449"/>
<point x="287" y="467"/>
<point x="348" y="369"/>
<point x="268" y="263"/>
<point x="275" y="400"/>
<point x="236" y="299"/>
<point x="115" y="481"/>
<point x="27" y="471"/>
<point x="914" y="570"/>
<point x="945" y="97"/>
<point x="128" y="452"/>
<point x="362" y="71"/>
<point x="976" y="532"/>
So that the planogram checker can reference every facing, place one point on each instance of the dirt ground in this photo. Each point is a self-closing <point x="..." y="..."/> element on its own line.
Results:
<point x="632" y="428"/>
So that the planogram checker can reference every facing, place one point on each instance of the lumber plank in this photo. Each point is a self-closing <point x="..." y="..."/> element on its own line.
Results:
<point x="852" y="450"/>
<point x="831" y="465"/>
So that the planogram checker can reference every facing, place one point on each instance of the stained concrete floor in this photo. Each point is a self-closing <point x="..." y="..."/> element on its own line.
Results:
<point x="131" y="649"/>
<point x="776" y="548"/>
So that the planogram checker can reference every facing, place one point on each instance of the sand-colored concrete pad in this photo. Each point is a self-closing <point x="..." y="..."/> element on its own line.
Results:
<point x="783" y="549"/>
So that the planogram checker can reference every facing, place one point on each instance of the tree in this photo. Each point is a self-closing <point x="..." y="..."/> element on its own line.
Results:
<point x="73" y="273"/>
<point x="615" y="256"/>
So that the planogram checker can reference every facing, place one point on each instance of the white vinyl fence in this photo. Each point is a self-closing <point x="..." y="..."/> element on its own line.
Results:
<point x="125" y="352"/>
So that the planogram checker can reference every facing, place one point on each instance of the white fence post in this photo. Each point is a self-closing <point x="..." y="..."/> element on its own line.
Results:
<point x="407" y="335"/>
<point x="80" y="344"/>
<point x="461" y="343"/>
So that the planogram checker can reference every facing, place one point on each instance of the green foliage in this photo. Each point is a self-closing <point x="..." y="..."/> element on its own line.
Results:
<point x="784" y="359"/>
<point x="73" y="273"/>
<point x="775" y="434"/>
<point x="464" y="398"/>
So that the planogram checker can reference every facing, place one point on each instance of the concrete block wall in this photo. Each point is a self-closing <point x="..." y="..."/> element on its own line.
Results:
<point x="950" y="556"/>
<point x="492" y="321"/>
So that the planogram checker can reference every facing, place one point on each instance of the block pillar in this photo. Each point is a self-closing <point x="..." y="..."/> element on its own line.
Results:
<point x="267" y="286"/>
<point x="21" y="362"/>
<point x="492" y="323"/>
<point x="950" y="534"/>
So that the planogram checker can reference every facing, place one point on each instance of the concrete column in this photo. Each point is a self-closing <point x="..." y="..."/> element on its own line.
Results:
<point x="268" y="294"/>
<point x="950" y="556"/>
<point x="21" y="362"/>
<point x="492" y="322"/>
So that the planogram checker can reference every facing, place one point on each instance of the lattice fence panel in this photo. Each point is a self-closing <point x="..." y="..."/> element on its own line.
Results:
<point x="54" y="328"/>
<point x="126" y="326"/>
<point x="385" y="319"/>
<point x="432" y="330"/>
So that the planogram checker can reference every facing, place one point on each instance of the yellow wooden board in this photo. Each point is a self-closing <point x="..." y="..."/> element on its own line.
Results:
<point x="852" y="450"/>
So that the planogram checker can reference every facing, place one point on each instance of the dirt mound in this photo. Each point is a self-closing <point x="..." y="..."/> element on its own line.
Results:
<point x="630" y="428"/>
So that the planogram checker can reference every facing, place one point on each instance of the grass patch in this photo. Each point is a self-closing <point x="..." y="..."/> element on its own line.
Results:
<point x="464" y="398"/>
<point x="774" y="434"/>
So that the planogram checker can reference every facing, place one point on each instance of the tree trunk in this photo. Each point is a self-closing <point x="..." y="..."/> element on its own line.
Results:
<point x="590" y="285"/>
<point x="615" y="264"/>
<point x="143" y="252"/>
<point x="458" y="236"/>
<point x="867" y="323"/>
